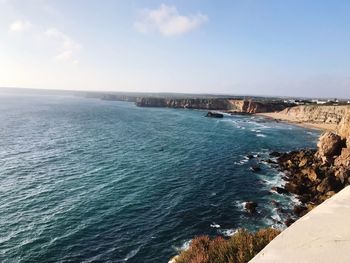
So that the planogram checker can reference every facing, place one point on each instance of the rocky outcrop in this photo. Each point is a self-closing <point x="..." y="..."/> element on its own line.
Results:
<point x="229" y="105"/>
<point x="316" y="175"/>
<point x="329" y="145"/>
<point x="211" y="114"/>
<point x="343" y="128"/>
<point x="344" y="158"/>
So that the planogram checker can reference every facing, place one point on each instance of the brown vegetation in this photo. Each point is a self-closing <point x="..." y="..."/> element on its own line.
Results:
<point x="239" y="248"/>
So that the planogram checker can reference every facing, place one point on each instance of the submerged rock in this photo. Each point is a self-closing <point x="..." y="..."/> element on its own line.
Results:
<point x="255" y="168"/>
<point x="269" y="161"/>
<point x="251" y="206"/>
<point x="275" y="154"/>
<point x="250" y="156"/>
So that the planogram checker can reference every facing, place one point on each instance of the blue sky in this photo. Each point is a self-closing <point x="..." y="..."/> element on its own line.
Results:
<point x="263" y="47"/>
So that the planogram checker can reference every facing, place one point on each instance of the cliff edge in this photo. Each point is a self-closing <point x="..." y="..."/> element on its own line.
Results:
<point x="331" y="118"/>
<point x="229" y="105"/>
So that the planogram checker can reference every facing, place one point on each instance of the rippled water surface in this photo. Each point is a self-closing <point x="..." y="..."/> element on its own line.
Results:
<point x="85" y="180"/>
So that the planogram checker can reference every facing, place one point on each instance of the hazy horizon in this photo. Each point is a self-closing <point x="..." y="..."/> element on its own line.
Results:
<point x="270" y="48"/>
<point x="44" y="90"/>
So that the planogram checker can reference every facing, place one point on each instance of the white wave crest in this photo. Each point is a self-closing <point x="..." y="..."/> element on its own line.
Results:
<point x="214" y="225"/>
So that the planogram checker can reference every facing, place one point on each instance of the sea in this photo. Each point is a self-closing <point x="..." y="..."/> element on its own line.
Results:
<point x="88" y="180"/>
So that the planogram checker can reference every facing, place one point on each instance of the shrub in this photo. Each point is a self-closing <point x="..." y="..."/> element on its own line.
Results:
<point x="239" y="248"/>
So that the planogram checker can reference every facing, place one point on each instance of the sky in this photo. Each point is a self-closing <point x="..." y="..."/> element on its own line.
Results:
<point x="252" y="47"/>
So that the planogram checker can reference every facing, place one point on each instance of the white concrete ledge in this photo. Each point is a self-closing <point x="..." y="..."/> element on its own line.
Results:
<point x="322" y="235"/>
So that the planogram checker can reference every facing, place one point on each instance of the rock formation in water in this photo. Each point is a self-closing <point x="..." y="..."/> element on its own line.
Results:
<point x="211" y="114"/>
<point x="317" y="175"/>
<point x="230" y="105"/>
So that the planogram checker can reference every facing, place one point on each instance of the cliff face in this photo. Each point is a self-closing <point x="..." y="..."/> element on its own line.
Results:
<point x="317" y="113"/>
<point x="208" y="104"/>
<point x="344" y="125"/>
<point x="243" y="106"/>
<point x="337" y="115"/>
<point x="250" y="106"/>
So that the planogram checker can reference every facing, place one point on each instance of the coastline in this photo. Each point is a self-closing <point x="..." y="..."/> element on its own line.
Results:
<point x="313" y="176"/>
<point x="280" y="117"/>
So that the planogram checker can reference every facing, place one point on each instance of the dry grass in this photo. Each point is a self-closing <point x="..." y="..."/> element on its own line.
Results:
<point x="241" y="247"/>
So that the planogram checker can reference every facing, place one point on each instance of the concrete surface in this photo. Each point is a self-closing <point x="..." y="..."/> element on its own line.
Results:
<point x="322" y="235"/>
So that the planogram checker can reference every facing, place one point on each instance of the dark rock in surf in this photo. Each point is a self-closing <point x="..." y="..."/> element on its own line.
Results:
<point x="212" y="114"/>
<point x="279" y="190"/>
<point x="289" y="221"/>
<point x="250" y="156"/>
<point x="250" y="207"/>
<point x="275" y="154"/>
<point x="255" y="168"/>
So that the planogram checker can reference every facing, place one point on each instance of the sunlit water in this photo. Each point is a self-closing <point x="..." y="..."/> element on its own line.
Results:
<point x="85" y="180"/>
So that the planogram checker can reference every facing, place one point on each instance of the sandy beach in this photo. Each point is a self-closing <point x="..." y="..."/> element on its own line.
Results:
<point x="286" y="118"/>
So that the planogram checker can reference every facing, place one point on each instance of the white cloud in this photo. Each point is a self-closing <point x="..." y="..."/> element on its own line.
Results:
<point x="20" y="26"/>
<point x="64" y="46"/>
<point x="65" y="55"/>
<point x="167" y="21"/>
<point x="68" y="46"/>
<point x="65" y="41"/>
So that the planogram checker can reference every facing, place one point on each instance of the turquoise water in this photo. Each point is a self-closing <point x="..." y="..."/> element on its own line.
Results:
<point x="85" y="180"/>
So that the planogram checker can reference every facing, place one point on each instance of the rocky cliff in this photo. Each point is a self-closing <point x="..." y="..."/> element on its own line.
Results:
<point x="317" y="113"/>
<point x="207" y="104"/>
<point x="250" y="106"/>
<point x="344" y="124"/>
<point x="314" y="176"/>
<point x="337" y="115"/>
<point x="232" y="105"/>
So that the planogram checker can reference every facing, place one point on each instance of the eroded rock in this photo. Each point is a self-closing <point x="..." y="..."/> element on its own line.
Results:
<point x="329" y="145"/>
<point x="344" y="158"/>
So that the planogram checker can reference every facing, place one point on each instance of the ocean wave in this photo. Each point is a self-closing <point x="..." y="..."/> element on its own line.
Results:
<point x="132" y="254"/>
<point x="276" y="217"/>
<point x="228" y="232"/>
<point x="215" y="225"/>
<point x="240" y="205"/>
<point x="184" y="246"/>
<point x="261" y="135"/>
<point x="275" y="180"/>
<point x="256" y="130"/>
<point x="241" y="162"/>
